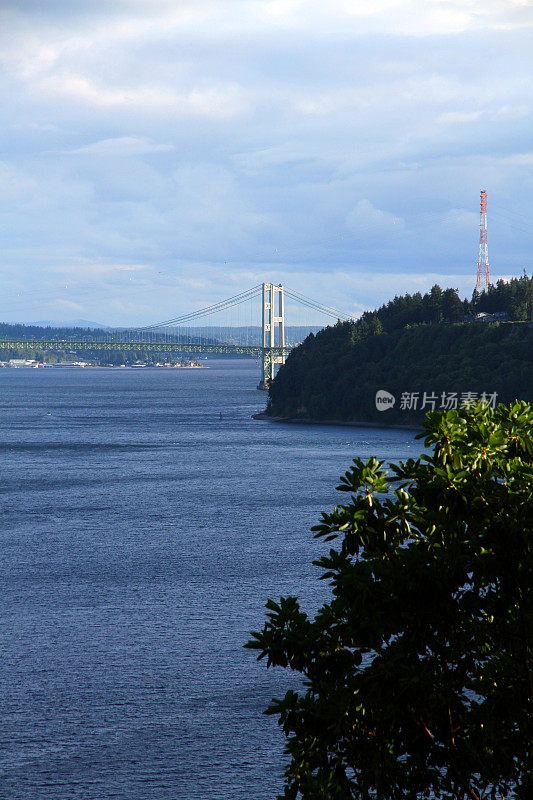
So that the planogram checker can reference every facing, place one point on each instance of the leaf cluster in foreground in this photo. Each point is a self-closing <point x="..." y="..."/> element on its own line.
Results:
<point x="418" y="674"/>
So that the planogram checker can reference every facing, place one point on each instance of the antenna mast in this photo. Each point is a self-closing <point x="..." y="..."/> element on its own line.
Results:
<point x="483" y="278"/>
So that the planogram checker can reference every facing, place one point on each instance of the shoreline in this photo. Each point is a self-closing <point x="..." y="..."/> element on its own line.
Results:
<point x="95" y="366"/>
<point x="335" y="422"/>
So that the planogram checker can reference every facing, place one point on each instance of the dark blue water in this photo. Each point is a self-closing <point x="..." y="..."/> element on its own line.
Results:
<point x="140" y="537"/>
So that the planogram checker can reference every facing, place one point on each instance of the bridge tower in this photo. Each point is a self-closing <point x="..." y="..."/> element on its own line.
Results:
<point x="273" y="334"/>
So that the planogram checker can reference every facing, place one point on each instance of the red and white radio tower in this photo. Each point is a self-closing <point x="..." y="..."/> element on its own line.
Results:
<point x="483" y="278"/>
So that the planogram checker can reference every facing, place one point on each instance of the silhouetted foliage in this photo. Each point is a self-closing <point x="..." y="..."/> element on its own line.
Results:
<point x="418" y="673"/>
<point x="514" y="297"/>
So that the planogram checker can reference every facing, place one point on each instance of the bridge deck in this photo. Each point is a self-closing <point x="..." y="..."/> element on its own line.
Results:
<point x="42" y="345"/>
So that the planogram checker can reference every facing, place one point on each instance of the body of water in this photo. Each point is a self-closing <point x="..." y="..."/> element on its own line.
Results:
<point x="141" y="534"/>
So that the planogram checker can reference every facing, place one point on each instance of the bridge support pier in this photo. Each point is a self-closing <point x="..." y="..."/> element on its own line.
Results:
<point x="273" y="334"/>
<point x="267" y="370"/>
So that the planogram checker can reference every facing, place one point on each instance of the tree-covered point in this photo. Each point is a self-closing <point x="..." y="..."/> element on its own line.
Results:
<point x="513" y="298"/>
<point x="418" y="671"/>
<point x="402" y="349"/>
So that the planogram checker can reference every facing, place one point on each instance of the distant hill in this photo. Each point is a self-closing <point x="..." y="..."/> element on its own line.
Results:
<point x="73" y="323"/>
<point x="244" y="335"/>
<point x="10" y="330"/>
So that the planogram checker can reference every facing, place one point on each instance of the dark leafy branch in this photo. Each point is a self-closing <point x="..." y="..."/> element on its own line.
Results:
<point x="418" y="671"/>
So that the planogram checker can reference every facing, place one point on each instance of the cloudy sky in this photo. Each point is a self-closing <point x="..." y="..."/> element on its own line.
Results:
<point x="159" y="155"/>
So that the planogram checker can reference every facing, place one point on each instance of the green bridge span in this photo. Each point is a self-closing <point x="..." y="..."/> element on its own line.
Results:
<point x="44" y="345"/>
<point x="267" y="355"/>
<point x="194" y="333"/>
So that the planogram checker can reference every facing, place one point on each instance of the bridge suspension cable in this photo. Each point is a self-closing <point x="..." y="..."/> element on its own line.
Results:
<point x="223" y="305"/>
<point x="238" y="299"/>
<point x="329" y="311"/>
<point x="252" y="322"/>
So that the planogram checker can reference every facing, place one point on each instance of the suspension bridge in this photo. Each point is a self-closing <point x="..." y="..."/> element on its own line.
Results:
<point x="253" y="323"/>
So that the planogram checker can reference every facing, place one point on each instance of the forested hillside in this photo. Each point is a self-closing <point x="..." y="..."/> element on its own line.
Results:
<point x="10" y="330"/>
<point x="423" y="362"/>
<point x="514" y="298"/>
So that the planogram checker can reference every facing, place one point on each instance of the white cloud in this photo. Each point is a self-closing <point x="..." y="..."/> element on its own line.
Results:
<point x="33" y="50"/>
<point x="460" y="218"/>
<point x="513" y="112"/>
<point x="67" y="304"/>
<point x="483" y="115"/>
<point x="286" y="134"/>
<point x="458" y="117"/>
<point x="124" y="146"/>
<point x="521" y="159"/>
<point x="223" y="101"/>
<point x="377" y="16"/>
<point x="193" y="283"/>
<point x="255" y="162"/>
<point x="365" y="219"/>
<point x="100" y="268"/>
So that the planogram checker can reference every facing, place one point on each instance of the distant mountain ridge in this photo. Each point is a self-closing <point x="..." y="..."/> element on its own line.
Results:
<point x="9" y="330"/>
<point x="73" y="323"/>
<point x="238" y="335"/>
